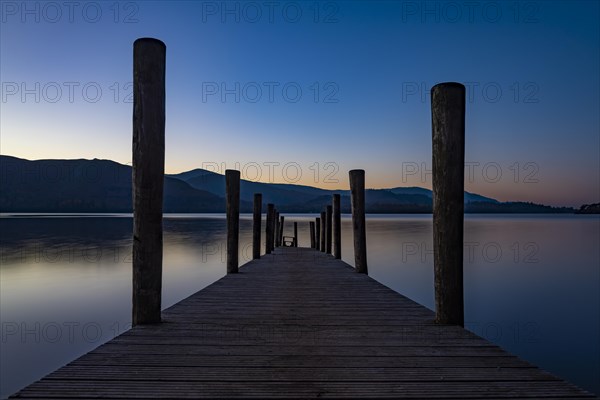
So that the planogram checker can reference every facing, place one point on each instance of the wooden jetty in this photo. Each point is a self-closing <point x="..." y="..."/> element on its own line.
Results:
<point x="298" y="323"/>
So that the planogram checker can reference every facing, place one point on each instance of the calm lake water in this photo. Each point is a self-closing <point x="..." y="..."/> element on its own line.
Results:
<point x="531" y="282"/>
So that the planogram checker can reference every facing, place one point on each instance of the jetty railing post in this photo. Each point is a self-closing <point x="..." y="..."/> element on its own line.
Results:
<point x="295" y="234"/>
<point x="269" y="229"/>
<point x="317" y="233"/>
<point x="149" y="59"/>
<point x="329" y="215"/>
<point x="337" y="227"/>
<point x="448" y="141"/>
<point x="323" y="231"/>
<point x="357" y="189"/>
<point x="273" y="228"/>
<point x="232" y="197"/>
<point x="311" y="225"/>
<point x="280" y="233"/>
<point x="257" y="216"/>
<point x="276" y="228"/>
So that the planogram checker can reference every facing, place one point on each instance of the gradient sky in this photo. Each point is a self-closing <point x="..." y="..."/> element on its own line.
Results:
<point x="364" y="70"/>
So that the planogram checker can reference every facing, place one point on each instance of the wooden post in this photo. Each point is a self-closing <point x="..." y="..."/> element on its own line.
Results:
<point x="149" y="59"/>
<point x="280" y="233"/>
<point x="317" y="233"/>
<point x="295" y="234"/>
<point x="257" y="216"/>
<point x="273" y="228"/>
<point x="448" y="139"/>
<point x="311" y="225"/>
<point x="276" y="220"/>
<point x="269" y="229"/>
<point x="323" y="231"/>
<point x="329" y="216"/>
<point x="232" y="197"/>
<point x="337" y="227"/>
<point x="357" y="189"/>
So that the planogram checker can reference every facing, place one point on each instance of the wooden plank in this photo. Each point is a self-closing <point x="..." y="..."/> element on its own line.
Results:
<point x="358" y="389"/>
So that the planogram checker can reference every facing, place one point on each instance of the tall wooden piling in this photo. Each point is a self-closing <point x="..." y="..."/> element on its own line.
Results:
<point x="149" y="59"/>
<point x="329" y="216"/>
<point x="232" y="198"/>
<point x="323" y="231"/>
<point x="357" y="189"/>
<point x="280" y="233"/>
<point x="448" y="139"/>
<point x="257" y="220"/>
<point x="337" y="226"/>
<point x="317" y="233"/>
<point x="269" y="229"/>
<point x="276" y="220"/>
<point x="295" y="234"/>
<point x="311" y="225"/>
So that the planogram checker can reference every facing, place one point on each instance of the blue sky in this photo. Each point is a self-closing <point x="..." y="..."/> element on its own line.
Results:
<point x="363" y="70"/>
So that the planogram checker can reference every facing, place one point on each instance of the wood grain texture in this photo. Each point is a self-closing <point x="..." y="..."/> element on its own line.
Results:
<point x="269" y="226"/>
<point x="289" y="326"/>
<point x="148" y="167"/>
<point x="448" y="154"/>
<point x="232" y="200"/>
<point x="256" y="225"/>
<point x="337" y="226"/>
<point x="323" y="230"/>
<point x="317" y="233"/>
<point x="328" y="229"/>
<point x="359" y="227"/>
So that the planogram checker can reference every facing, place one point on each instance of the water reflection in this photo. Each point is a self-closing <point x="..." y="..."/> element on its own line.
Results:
<point x="531" y="282"/>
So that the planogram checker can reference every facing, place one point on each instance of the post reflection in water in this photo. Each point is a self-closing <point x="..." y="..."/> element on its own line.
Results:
<point x="531" y="282"/>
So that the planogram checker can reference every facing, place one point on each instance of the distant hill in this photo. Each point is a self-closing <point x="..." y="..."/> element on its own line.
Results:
<point x="279" y="194"/>
<point x="469" y="197"/>
<point x="589" y="209"/>
<point x="105" y="186"/>
<point x="87" y="186"/>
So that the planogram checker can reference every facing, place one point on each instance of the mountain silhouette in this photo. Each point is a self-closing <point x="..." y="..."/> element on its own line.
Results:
<point x="87" y="186"/>
<point x="78" y="186"/>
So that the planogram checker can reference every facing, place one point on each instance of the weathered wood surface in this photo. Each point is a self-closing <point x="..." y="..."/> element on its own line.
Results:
<point x="318" y="233"/>
<point x="281" y="226"/>
<point x="337" y="226"/>
<point x="149" y="63"/>
<point x="289" y="325"/>
<point x="256" y="225"/>
<point x="448" y="157"/>
<point x="232" y="200"/>
<point x="328" y="228"/>
<point x="277" y="237"/>
<point x="359" y="226"/>
<point x="323" y="230"/>
<point x="295" y="234"/>
<point x="269" y="226"/>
